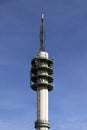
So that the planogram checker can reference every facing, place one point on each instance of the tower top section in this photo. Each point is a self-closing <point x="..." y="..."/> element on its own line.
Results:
<point x="42" y="16"/>
<point x="42" y="34"/>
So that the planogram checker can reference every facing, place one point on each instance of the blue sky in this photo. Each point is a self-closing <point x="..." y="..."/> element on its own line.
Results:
<point x="66" y="42"/>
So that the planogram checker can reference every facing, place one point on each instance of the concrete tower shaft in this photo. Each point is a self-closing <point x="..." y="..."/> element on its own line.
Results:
<point x="42" y="83"/>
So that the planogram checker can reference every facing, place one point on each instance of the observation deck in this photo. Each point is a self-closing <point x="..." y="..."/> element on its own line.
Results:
<point x="42" y="73"/>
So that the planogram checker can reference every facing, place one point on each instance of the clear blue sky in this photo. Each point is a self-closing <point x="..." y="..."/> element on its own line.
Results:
<point x="66" y="41"/>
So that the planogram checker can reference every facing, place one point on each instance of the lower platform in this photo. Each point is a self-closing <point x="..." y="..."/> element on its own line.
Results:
<point x="40" y="123"/>
<point x="45" y="85"/>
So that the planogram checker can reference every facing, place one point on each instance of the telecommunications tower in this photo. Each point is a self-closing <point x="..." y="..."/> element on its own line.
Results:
<point x="42" y="81"/>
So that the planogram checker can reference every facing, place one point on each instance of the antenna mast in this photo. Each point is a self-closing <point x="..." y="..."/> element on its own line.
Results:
<point x="42" y="34"/>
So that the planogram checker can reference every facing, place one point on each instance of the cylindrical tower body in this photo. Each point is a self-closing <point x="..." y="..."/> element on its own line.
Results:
<point x="42" y="103"/>
<point x="42" y="94"/>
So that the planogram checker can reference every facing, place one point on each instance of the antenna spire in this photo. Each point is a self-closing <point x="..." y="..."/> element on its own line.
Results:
<point x="42" y="34"/>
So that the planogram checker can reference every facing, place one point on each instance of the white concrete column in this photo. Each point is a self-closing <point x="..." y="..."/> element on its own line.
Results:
<point x="42" y="103"/>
